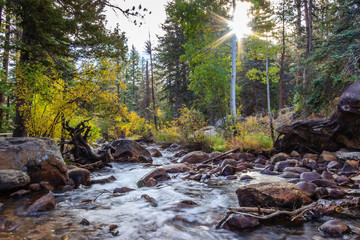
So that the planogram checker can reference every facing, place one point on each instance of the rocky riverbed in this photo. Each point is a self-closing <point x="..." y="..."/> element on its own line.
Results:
<point x="186" y="195"/>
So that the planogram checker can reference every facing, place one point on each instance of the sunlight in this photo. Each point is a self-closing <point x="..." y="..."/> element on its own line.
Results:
<point x="239" y="25"/>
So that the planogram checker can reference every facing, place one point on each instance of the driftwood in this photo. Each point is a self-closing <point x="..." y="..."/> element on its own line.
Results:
<point x="85" y="156"/>
<point x="221" y="155"/>
<point x="342" y="129"/>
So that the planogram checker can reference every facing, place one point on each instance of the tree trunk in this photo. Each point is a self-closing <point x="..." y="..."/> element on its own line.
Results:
<point x="152" y="83"/>
<point x="282" y="62"/>
<point x="233" y="71"/>
<point x="147" y="91"/>
<point x="177" y="87"/>
<point x="310" y="26"/>
<point x="340" y="130"/>
<point x="298" y="23"/>
<point x="307" y="28"/>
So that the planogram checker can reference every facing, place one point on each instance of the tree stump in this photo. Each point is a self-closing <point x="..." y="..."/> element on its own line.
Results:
<point x="342" y="129"/>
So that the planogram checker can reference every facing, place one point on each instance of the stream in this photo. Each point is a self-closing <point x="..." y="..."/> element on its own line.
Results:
<point x="136" y="218"/>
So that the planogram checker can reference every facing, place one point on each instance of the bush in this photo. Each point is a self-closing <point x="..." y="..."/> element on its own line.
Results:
<point x="166" y="135"/>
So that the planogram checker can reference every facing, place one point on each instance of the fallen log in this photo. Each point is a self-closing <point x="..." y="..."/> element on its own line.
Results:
<point x="221" y="155"/>
<point x="340" y="130"/>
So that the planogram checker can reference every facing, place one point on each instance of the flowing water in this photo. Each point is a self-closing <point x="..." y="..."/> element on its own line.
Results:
<point x="138" y="219"/>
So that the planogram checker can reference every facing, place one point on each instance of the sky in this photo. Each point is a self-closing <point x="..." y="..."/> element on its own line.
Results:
<point x="138" y="35"/>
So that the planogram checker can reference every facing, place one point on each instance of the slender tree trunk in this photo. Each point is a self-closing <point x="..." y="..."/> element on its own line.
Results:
<point x="310" y="26"/>
<point x="152" y="86"/>
<point x="307" y="27"/>
<point x="282" y="62"/>
<point x="298" y="23"/>
<point x="177" y="86"/>
<point x="147" y="91"/>
<point x="233" y="71"/>
<point x="23" y="104"/>
<point x="268" y="91"/>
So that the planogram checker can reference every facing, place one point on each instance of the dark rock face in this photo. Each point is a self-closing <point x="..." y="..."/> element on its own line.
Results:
<point x="238" y="222"/>
<point x="334" y="228"/>
<point x="279" y="194"/>
<point x="12" y="179"/>
<point x="158" y="175"/>
<point x="79" y="176"/>
<point x="155" y="152"/>
<point x="39" y="157"/>
<point x="130" y="151"/>
<point x="194" y="157"/>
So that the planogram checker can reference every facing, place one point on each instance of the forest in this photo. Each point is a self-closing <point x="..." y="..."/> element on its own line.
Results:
<point x="257" y="96"/>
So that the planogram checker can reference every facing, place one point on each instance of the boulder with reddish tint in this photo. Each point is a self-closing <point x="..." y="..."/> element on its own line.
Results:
<point x="45" y="203"/>
<point x="194" y="157"/>
<point x="154" y="152"/>
<point x="12" y="179"/>
<point x="327" y="157"/>
<point x="334" y="228"/>
<point x="79" y="176"/>
<point x="39" y="157"/>
<point x="238" y="222"/>
<point x="176" y="168"/>
<point x="130" y="151"/>
<point x="158" y="174"/>
<point x="278" y="194"/>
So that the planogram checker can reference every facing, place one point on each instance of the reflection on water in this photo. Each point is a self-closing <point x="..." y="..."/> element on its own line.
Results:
<point x="137" y="219"/>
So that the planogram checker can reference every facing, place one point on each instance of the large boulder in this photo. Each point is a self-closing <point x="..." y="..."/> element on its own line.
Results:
<point x="130" y="151"/>
<point x="151" y="179"/>
<point x="79" y="176"/>
<point x="279" y="194"/>
<point x="12" y="179"/>
<point x="39" y="157"/>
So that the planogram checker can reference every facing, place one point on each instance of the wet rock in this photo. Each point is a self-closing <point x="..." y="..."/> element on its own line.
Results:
<point x="130" y="151"/>
<point x="231" y="162"/>
<point x="309" y="176"/>
<point x="246" y="177"/>
<point x="289" y="175"/>
<point x="321" y="192"/>
<point x="268" y="172"/>
<point x="155" y="152"/>
<point x="238" y="222"/>
<point x="269" y="167"/>
<point x="279" y="157"/>
<point x="203" y="166"/>
<point x="310" y="163"/>
<point x="180" y="154"/>
<point x="336" y="193"/>
<point x="298" y="170"/>
<point x="350" y="167"/>
<point x="79" y="176"/>
<point x="227" y="170"/>
<point x="342" y="180"/>
<point x="35" y="187"/>
<point x="186" y="204"/>
<point x="334" y="228"/>
<point x="45" y="203"/>
<point x="196" y="177"/>
<point x="123" y="190"/>
<point x="19" y="194"/>
<point x="295" y="154"/>
<point x="240" y="167"/>
<point x="149" y="199"/>
<point x="279" y="194"/>
<point x="323" y="183"/>
<point x="258" y="165"/>
<point x="66" y="188"/>
<point x="260" y="160"/>
<point x="194" y="157"/>
<point x="231" y="177"/>
<point x="333" y="165"/>
<point x="112" y="227"/>
<point x="176" y="168"/>
<point x="46" y="186"/>
<point x="327" y="157"/>
<point x="40" y="157"/>
<point x="103" y="180"/>
<point x="84" y="222"/>
<point x="307" y="188"/>
<point x="248" y="157"/>
<point x="326" y="175"/>
<point x="280" y="166"/>
<point x="158" y="174"/>
<point x="311" y="156"/>
<point x="12" y="179"/>
<point x="348" y="156"/>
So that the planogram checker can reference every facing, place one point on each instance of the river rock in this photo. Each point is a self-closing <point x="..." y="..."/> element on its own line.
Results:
<point x="155" y="152"/>
<point x="350" y="167"/>
<point x="324" y="183"/>
<point x="12" y="179"/>
<point x="342" y="179"/>
<point x="280" y="166"/>
<point x="279" y="157"/>
<point x="39" y="157"/>
<point x="35" y="187"/>
<point x="327" y="157"/>
<point x="231" y="162"/>
<point x="194" y="157"/>
<point x="238" y="222"/>
<point x="268" y="172"/>
<point x="311" y="156"/>
<point x="123" y="190"/>
<point x="45" y="203"/>
<point x="278" y="194"/>
<point x="333" y="165"/>
<point x="248" y="157"/>
<point x="289" y="175"/>
<point x="336" y="193"/>
<point x="310" y="163"/>
<point x="20" y="193"/>
<point x="321" y="192"/>
<point x="246" y="177"/>
<point x="348" y="156"/>
<point x="159" y="174"/>
<point x="227" y="170"/>
<point x="260" y="160"/>
<point x="309" y="176"/>
<point x="334" y="228"/>
<point x="298" y="170"/>
<point x="295" y="154"/>
<point x="307" y="188"/>
<point x="130" y="151"/>
<point x="326" y="175"/>
<point x="176" y="168"/>
<point x="79" y="176"/>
